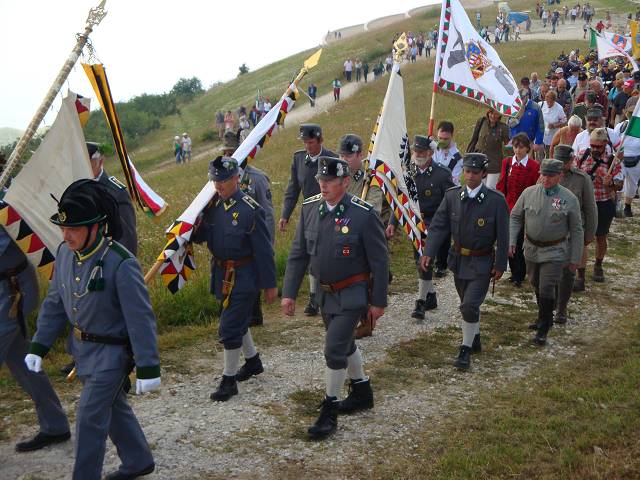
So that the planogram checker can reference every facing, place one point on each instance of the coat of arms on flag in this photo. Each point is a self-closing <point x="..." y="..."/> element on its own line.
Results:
<point x="466" y="65"/>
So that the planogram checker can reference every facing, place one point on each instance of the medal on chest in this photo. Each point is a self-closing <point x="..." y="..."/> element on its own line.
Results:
<point x="235" y="215"/>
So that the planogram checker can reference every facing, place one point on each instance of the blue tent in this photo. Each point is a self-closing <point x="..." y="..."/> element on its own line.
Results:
<point x="518" y="17"/>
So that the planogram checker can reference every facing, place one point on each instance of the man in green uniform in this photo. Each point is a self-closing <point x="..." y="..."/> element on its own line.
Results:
<point x="553" y="238"/>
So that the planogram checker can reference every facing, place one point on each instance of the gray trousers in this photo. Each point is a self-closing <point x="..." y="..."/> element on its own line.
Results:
<point x="565" y="288"/>
<point x="472" y="293"/>
<point x="103" y="410"/>
<point x="51" y="416"/>
<point x="545" y="277"/>
<point x="340" y="338"/>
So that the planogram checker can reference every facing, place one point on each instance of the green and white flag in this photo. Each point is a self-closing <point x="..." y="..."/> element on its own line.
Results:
<point x="607" y="49"/>
<point x="633" y="128"/>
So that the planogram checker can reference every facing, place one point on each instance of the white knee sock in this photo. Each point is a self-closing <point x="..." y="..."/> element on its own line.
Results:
<point x="231" y="361"/>
<point x="313" y="284"/>
<point x="248" y="348"/>
<point x="424" y="287"/>
<point x="335" y="381"/>
<point x="477" y="329"/>
<point x="355" y="368"/>
<point x="468" y="332"/>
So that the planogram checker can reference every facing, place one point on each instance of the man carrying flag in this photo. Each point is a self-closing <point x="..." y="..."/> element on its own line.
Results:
<point x="234" y="228"/>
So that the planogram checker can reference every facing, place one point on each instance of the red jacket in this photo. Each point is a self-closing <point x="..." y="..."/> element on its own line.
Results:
<point x="518" y="179"/>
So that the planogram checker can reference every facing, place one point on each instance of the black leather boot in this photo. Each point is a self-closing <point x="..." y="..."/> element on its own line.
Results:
<point x="327" y="421"/>
<point x="117" y="475"/>
<point x="418" y="312"/>
<point x="227" y="389"/>
<point x="463" y="362"/>
<point x="252" y="366"/>
<point x="476" y="346"/>
<point x="311" y="310"/>
<point x="546" y="321"/>
<point x="534" y="326"/>
<point x="578" y="283"/>
<point x="431" y="302"/>
<point x="598" y="272"/>
<point x="360" y="397"/>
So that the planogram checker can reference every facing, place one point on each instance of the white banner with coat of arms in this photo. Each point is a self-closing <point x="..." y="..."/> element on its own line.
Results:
<point x="466" y="65"/>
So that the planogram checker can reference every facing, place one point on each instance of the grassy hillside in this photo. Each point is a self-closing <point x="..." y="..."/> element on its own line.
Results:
<point x="9" y="135"/>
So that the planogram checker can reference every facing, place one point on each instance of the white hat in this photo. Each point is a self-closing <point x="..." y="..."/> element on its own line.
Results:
<point x="559" y="70"/>
<point x="177" y="137"/>
<point x="184" y="134"/>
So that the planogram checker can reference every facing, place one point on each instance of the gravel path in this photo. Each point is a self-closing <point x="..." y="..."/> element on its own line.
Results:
<point x="258" y="432"/>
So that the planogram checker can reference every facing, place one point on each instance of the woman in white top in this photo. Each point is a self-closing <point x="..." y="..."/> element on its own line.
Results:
<point x="554" y="117"/>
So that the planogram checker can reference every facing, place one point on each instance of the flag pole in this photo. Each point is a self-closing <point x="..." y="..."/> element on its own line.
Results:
<point x="93" y="19"/>
<point x="309" y="63"/>
<point x="433" y="109"/>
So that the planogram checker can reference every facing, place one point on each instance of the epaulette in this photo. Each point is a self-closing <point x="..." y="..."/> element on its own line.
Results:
<point x="361" y="203"/>
<point x="117" y="183"/>
<point x="299" y="151"/>
<point x="454" y="187"/>
<point x="120" y="250"/>
<point x="315" y="198"/>
<point x="251" y="202"/>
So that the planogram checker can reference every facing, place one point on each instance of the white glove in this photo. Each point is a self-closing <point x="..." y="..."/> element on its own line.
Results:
<point x="34" y="362"/>
<point x="146" y="385"/>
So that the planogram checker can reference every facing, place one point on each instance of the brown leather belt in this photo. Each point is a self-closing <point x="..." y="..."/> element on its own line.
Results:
<point x="240" y="262"/>
<point x="467" y="252"/>
<point x="347" y="282"/>
<point x="549" y="243"/>
<point x="12" y="272"/>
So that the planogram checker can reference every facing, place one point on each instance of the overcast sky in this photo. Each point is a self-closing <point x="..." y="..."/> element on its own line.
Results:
<point x="148" y="45"/>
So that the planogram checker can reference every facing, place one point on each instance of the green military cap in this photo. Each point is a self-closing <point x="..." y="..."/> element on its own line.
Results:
<point x="350" y="143"/>
<point x="332" y="167"/>
<point x="551" y="166"/>
<point x="477" y="161"/>
<point x="564" y="153"/>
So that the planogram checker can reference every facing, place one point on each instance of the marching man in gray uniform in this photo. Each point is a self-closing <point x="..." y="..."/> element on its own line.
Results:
<point x="18" y="298"/>
<point x="129" y="236"/>
<point x="432" y="180"/>
<point x="342" y="237"/>
<point x="242" y="263"/>
<point x="553" y="238"/>
<point x="98" y="287"/>
<point x="256" y="184"/>
<point x="477" y="218"/>
<point x="303" y="179"/>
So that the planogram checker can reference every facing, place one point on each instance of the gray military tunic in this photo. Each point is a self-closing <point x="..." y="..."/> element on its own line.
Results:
<point x="235" y="229"/>
<point x="125" y="208"/>
<point x="581" y="186"/>
<point x="257" y="185"/>
<point x="14" y="344"/>
<point x="548" y="217"/>
<point x="339" y="244"/>
<point x="476" y="224"/>
<point x="302" y="179"/>
<point x="115" y="305"/>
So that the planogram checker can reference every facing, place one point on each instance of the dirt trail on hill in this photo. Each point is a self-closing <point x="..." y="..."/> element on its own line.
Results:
<point x="303" y="112"/>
